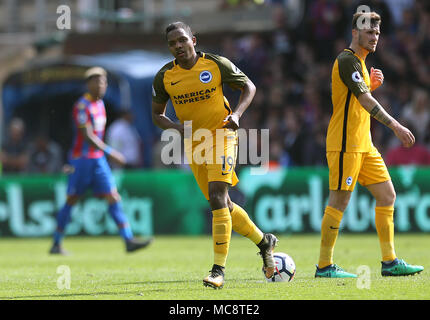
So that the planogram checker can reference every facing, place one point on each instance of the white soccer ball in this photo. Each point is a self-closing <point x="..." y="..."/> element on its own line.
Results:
<point x="285" y="268"/>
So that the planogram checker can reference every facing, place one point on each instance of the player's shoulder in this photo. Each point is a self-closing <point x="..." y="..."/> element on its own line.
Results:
<point x="159" y="76"/>
<point x="168" y="66"/>
<point x="83" y="102"/>
<point x="218" y="59"/>
<point x="347" y="56"/>
<point x="227" y="67"/>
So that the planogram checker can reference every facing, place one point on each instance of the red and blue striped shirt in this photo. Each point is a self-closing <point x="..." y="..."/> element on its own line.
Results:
<point x="87" y="110"/>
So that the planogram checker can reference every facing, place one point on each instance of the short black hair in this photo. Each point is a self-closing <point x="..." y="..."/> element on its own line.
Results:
<point x="179" y="25"/>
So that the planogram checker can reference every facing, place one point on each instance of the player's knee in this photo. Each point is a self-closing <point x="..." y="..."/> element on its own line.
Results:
<point x="72" y="200"/>
<point x="339" y="202"/>
<point x="217" y="198"/>
<point x="386" y="199"/>
<point x="113" y="197"/>
<point x="229" y="204"/>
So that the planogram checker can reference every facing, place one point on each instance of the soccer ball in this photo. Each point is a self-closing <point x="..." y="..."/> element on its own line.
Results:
<point x="285" y="268"/>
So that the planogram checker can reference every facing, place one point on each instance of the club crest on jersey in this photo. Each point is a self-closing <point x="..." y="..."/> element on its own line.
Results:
<point x="205" y="76"/>
<point x="348" y="181"/>
<point x="82" y="117"/>
<point x="235" y="69"/>
<point x="356" y="77"/>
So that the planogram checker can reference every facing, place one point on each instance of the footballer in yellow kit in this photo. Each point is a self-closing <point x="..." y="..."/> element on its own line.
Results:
<point x="351" y="155"/>
<point x="193" y="82"/>
<point x="197" y="96"/>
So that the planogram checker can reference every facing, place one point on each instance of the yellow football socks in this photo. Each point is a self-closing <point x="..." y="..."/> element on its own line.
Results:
<point x="385" y="227"/>
<point x="221" y="234"/>
<point x="329" y="231"/>
<point x="243" y="225"/>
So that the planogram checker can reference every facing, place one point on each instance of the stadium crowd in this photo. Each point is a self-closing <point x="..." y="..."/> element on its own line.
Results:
<point x="292" y="71"/>
<point x="291" y="68"/>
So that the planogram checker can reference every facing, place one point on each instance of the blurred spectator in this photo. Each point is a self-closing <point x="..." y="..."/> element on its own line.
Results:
<point x="45" y="156"/>
<point x="397" y="7"/>
<point x="254" y="55"/>
<point x="324" y="18"/>
<point x="418" y="154"/>
<point x="277" y="154"/>
<point x="295" y="137"/>
<point x="123" y="136"/>
<point x="417" y="113"/>
<point x="314" y="149"/>
<point x="14" y="155"/>
<point x="292" y="70"/>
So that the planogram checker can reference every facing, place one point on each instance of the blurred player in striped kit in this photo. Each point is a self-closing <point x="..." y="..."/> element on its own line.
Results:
<point x="90" y="168"/>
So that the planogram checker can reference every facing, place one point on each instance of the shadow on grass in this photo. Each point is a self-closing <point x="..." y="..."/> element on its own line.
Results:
<point x="183" y="281"/>
<point x="64" y="295"/>
<point x="137" y="294"/>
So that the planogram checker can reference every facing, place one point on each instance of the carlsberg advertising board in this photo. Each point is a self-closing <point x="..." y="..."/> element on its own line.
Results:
<point x="170" y="202"/>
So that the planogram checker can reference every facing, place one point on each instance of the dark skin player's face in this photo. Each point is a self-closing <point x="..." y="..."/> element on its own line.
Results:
<point x="97" y="86"/>
<point x="181" y="46"/>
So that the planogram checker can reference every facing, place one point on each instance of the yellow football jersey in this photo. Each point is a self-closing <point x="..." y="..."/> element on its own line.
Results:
<point x="349" y="127"/>
<point x="197" y="94"/>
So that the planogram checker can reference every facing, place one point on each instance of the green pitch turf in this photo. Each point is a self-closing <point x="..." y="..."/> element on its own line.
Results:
<point x="172" y="268"/>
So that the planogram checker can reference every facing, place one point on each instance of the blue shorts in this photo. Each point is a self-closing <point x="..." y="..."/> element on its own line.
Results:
<point x="92" y="174"/>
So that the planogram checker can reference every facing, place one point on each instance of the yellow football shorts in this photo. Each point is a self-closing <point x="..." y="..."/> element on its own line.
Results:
<point x="346" y="168"/>
<point x="214" y="160"/>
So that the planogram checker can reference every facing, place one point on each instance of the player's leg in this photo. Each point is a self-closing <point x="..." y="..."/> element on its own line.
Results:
<point x="337" y="203"/>
<point x="221" y="231"/>
<point x="215" y="279"/>
<point x="121" y="220"/>
<point x="214" y="178"/>
<point x="343" y="172"/>
<point x="242" y="224"/>
<point x="77" y="184"/>
<point x="385" y="196"/>
<point x="104" y="185"/>
<point x="375" y="177"/>
<point x="63" y="218"/>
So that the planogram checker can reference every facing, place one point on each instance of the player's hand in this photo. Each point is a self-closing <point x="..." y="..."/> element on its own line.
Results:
<point x="118" y="158"/>
<point x="68" y="169"/>
<point x="376" y="78"/>
<point x="232" y="122"/>
<point x="404" y="135"/>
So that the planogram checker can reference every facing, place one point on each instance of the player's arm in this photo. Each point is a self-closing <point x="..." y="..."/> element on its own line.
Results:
<point x="245" y="99"/>
<point x="159" y="104"/>
<point x="236" y="79"/>
<point x="378" y="112"/>
<point x="96" y="142"/>
<point x="351" y="73"/>
<point x="160" y="119"/>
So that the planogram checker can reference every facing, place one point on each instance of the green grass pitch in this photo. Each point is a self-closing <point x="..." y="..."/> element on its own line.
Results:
<point x="173" y="267"/>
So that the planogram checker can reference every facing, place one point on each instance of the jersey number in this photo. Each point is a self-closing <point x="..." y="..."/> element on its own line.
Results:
<point x="229" y="161"/>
